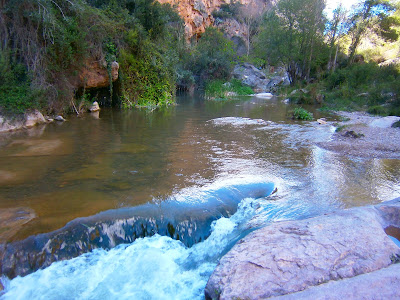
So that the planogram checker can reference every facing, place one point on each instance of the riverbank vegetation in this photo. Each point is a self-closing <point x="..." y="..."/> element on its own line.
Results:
<point x="339" y="63"/>
<point x="46" y="44"/>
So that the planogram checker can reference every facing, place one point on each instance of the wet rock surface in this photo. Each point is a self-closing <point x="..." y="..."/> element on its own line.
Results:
<point x="314" y="256"/>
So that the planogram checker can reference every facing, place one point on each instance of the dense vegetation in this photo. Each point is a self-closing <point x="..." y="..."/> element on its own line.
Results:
<point x="45" y="44"/>
<point x="321" y="56"/>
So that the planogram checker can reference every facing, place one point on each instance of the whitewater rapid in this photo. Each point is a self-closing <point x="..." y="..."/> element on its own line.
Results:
<point x="156" y="267"/>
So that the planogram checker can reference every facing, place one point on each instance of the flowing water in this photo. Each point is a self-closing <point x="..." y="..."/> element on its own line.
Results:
<point x="152" y="200"/>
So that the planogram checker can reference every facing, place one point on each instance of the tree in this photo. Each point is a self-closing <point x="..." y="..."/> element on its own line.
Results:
<point x="214" y="56"/>
<point x="371" y="14"/>
<point x="335" y="29"/>
<point x="290" y="35"/>
<point x="250" y="16"/>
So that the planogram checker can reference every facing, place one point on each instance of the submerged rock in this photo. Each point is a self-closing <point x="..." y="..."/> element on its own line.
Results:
<point x="12" y="219"/>
<point x="189" y="222"/>
<point x="293" y="256"/>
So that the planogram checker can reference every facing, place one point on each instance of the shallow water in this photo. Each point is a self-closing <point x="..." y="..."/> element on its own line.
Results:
<point x="126" y="159"/>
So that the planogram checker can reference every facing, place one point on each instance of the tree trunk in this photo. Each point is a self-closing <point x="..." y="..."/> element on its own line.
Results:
<point x="334" y="61"/>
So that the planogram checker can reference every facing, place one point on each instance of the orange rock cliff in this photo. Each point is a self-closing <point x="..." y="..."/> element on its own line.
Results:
<point x="197" y="14"/>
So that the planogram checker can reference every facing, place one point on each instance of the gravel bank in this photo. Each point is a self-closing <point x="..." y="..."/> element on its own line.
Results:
<point x="363" y="135"/>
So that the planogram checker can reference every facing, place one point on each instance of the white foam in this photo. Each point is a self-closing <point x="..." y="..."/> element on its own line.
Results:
<point x="239" y="122"/>
<point x="157" y="267"/>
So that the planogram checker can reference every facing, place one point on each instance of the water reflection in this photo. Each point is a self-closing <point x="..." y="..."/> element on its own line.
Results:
<point x="128" y="158"/>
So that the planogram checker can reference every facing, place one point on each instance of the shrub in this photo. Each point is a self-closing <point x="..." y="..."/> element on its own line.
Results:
<point x="218" y="89"/>
<point x="300" y="113"/>
<point x="214" y="56"/>
<point x="363" y="87"/>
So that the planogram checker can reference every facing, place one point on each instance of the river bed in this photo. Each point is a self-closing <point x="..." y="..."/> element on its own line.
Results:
<point x="210" y="159"/>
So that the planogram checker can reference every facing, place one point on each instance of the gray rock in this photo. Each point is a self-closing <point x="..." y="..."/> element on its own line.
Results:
<point x="255" y="78"/>
<point x="264" y="95"/>
<point x="289" y="257"/>
<point x="384" y="122"/>
<point x="28" y="120"/>
<point x="34" y="118"/>
<point x="381" y="284"/>
<point x="251" y="76"/>
<point x="59" y="119"/>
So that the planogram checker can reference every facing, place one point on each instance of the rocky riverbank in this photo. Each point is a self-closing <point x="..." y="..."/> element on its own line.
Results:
<point x="346" y="254"/>
<point x="364" y="135"/>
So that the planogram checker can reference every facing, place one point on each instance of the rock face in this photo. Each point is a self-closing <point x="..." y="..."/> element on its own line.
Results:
<point x="312" y="256"/>
<point x="95" y="74"/>
<point x="197" y="14"/>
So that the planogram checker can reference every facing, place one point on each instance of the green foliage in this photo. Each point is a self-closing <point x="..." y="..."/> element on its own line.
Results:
<point x="375" y="15"/>
<point x="300" y="113"/>
<point x="15" y="94"/>
<point x="54" y="39"/>
<point x="292" y="35"/>
<point x="240" y="88"/>
<point x="146" y="80"/>
<point x="219" y="89"/>
<point x="364" y="86"/>
<point x="214" y="57"/>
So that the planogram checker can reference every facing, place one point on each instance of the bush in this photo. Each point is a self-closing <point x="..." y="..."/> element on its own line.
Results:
<point x="300" y="113"/>
<point x="364" y="87"/>
<point x="214" y="56"/>
<point x="218" y="89"/>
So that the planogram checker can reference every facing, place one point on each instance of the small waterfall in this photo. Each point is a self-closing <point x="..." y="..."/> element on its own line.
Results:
<point x="186" y="216"/>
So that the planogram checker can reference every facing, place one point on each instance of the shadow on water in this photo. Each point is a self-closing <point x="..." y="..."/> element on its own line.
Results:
<point x="188" y="221"/>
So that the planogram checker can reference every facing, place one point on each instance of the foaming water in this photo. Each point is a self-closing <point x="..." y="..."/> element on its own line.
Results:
<point x="155" y="267"/>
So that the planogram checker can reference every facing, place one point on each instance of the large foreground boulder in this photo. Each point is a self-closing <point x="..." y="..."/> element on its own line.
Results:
<point x="314" y="256"/>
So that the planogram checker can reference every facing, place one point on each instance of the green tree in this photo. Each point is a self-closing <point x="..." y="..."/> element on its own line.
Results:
<point x="214" y="56"/>
<point x="335" y="30"/>
<point x="375" y="15"/>
<point x="290" y="35"/>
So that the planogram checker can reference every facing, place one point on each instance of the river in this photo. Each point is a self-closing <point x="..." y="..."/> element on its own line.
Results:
<point x="134" y="183"/>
